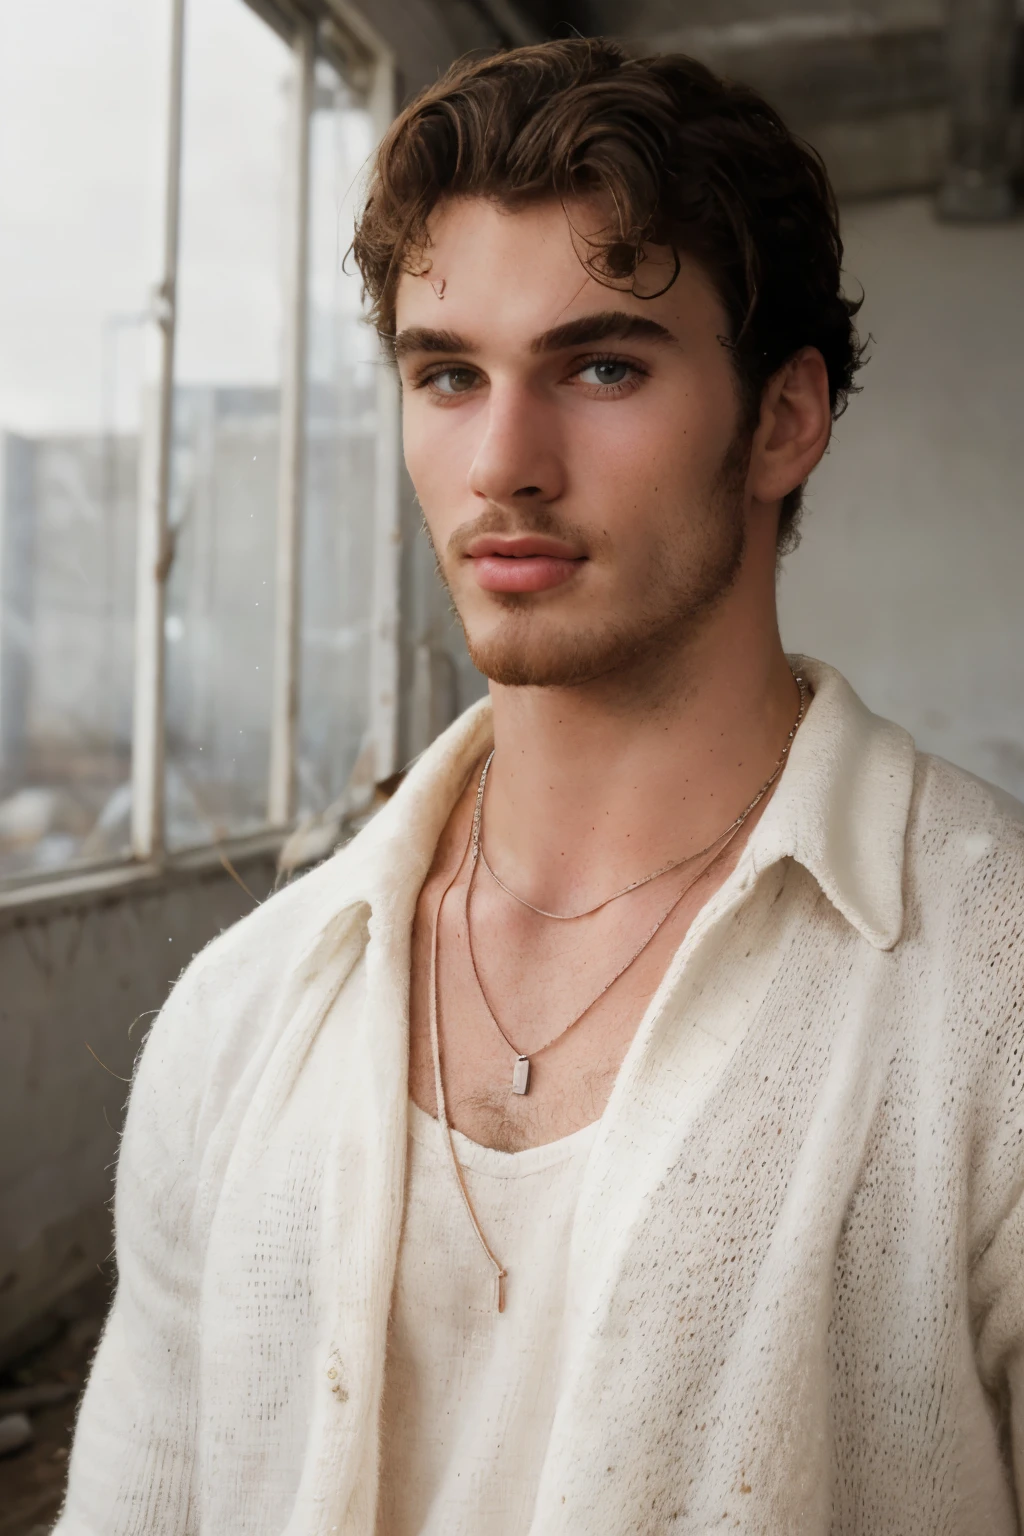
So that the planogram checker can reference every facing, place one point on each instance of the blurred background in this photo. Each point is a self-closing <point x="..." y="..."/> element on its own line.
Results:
<point x="220" y="632"/>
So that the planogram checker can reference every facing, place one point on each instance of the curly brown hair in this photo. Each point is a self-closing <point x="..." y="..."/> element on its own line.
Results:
<point x="683" y="159"/>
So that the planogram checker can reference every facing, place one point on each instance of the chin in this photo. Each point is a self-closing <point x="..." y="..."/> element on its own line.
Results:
<point x="531" y="654"/>
<point x="525" y="666"/>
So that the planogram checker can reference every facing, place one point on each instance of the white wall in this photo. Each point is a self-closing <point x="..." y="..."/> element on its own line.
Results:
<point x="911" y="571"/>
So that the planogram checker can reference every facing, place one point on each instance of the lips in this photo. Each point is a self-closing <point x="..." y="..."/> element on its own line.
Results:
<point x="524" y="563"/>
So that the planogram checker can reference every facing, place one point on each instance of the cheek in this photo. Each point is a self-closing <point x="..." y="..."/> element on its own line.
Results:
<point x="659" y="446"/>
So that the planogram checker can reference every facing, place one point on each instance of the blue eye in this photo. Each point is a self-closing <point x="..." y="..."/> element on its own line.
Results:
<point x="609" y="372"/>
<point x="453" y="381"/>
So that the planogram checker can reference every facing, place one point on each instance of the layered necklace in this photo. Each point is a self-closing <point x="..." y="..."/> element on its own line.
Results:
<point x="703" y="860"/>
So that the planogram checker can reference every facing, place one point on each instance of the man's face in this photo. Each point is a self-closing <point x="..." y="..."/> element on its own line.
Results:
<point x="575" y="448"/>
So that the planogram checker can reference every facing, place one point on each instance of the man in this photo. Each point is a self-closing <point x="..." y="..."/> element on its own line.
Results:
<point x="625" y="1132"/>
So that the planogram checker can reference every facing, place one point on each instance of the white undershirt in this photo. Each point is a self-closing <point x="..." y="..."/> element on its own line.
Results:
<point x="469" y="1394"/>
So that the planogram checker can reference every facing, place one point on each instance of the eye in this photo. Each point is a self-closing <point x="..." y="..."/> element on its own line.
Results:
<point x="452" y="381"/>
<point x="606" y="371"/>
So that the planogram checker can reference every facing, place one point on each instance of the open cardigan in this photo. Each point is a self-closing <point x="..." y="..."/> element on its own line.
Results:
<point x="797" y="1267"/>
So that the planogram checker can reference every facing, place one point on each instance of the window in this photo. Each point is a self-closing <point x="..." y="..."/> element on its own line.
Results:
<point x="226" y="426"/>
<point x="344" y="425"/>
<point x="198" y="479"/>
<point x="79" y="248"/>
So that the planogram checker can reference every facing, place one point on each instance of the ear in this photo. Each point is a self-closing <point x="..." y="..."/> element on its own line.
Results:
<point x="794" y="427"/>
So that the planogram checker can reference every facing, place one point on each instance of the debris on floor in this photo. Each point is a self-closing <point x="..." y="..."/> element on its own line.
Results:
<point x="38" y="1401"/>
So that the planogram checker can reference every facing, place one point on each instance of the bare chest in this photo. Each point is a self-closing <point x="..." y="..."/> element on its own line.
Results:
<point x="548" y="992"/>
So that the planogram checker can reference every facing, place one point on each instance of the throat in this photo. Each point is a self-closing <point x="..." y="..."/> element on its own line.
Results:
<point x="577" y="811"/>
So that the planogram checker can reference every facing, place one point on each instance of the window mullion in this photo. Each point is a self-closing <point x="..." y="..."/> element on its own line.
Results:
<point x="385" y="632"/>
<point x="155" y="542"/>
<point x="287" y="574"/>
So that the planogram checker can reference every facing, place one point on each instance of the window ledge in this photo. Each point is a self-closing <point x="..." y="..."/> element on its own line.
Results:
<point x="88" y="887"/>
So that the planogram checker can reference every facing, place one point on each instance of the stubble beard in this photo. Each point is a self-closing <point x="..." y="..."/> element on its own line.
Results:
<point x="686" y="580"/>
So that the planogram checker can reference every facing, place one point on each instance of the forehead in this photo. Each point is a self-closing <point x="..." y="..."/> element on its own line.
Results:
<point x="518" y="272"/>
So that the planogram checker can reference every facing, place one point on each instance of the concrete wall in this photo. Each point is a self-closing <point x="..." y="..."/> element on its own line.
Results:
<point x="867" y="84"/>
<point x="909" y="574"/>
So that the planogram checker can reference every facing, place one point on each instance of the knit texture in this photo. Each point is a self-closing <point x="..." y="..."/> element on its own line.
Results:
<point x="796" y="1272"/>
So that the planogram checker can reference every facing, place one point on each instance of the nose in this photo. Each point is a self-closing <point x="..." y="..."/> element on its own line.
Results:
<point x="517" y="457"/>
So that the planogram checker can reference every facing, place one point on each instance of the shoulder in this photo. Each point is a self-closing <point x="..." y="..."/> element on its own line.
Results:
<point x="964" y="848"/>
<point x="246" y="959"/>
<point x="240" y="990"/>
<point x="964" y="886"/>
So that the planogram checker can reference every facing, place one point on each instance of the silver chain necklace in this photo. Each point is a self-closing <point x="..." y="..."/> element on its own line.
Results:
<point x="521" y="1070"/>
<point x="665" y="869"/>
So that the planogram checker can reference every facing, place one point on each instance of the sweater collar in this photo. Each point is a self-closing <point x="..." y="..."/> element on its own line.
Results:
<point x="842" y="804"/>
<point x="840" y="809"/>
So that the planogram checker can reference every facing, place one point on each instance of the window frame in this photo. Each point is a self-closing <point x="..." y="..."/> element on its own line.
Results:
<point x="336" y="31"/>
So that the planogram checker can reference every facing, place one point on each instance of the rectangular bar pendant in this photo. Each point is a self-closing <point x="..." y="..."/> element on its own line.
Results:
<point x="521" y="1075"/>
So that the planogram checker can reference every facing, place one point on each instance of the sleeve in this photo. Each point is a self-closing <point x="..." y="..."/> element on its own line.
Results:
<point x="131" y="1464"/>
<point x="1016" y="1385"/>
<point x="999" y="1300"/>
<point x="988" y="947"/>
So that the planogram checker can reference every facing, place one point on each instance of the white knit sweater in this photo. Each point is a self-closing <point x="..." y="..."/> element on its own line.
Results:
<point x="797" y="1266"/>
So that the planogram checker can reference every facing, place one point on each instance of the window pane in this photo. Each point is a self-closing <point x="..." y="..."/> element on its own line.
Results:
<point x="339" y="475"/>
<point x="82" y="106"/>
<point x="238" y="91"/>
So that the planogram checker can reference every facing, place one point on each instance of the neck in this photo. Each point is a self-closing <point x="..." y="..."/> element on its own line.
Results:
<point x="595" y="786"/>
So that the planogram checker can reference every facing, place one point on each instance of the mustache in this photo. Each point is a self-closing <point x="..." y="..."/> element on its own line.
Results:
<point x="532" y="517"/>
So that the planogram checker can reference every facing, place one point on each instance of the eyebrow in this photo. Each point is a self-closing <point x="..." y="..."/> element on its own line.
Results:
<point x="420" y="338"/>
<point x="605" y="325"/>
